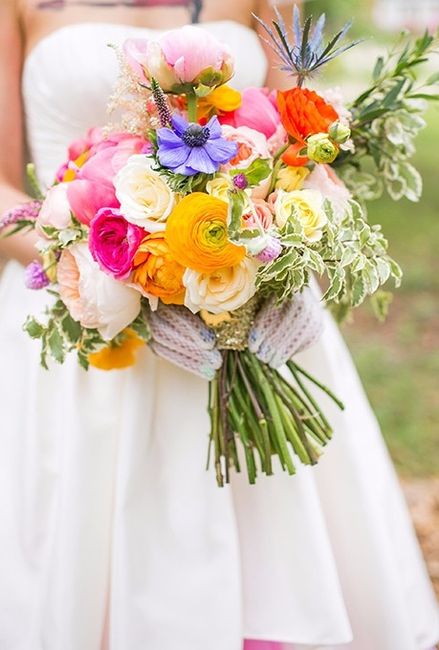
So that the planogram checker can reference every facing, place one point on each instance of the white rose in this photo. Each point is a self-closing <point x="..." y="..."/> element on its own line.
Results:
<point x="55" y="211"/>
<point x="222" y="290"/>
<point x="220" y="186"/>
<point x="145" y="198"/>
<point x="93" y="297"/>
<point x="303" y="206"/>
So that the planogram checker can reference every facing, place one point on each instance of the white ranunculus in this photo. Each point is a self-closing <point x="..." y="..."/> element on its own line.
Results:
<point x="145" y="198"/>
<point x="93" y="297"/>
<point x="303" y="206"/>
<point x="222" y="290"/>
<point x="55" y="211"/>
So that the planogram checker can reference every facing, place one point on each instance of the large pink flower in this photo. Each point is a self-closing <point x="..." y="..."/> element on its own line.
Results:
<point x="113" y="242"/>
<point x="87" y="197"/>
<point x="257" y="111"/>
<point x="92" y="188"/>
<point x="189" y="55"/>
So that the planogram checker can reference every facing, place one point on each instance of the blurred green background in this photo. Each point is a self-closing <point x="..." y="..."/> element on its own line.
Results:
<point x="399" y="360"/>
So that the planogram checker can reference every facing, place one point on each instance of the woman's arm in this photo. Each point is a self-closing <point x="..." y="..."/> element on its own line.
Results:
<point x="266" y="11"/>
<point x="20" y="246"/>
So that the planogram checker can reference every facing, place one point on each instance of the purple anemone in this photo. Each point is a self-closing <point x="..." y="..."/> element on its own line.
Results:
<point x="189" y="148"/>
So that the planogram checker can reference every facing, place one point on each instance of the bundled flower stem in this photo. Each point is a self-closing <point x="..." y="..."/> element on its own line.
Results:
<point x="268" y="414"/>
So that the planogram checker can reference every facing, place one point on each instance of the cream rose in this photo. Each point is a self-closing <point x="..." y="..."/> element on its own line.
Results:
<point x="145" y="198"/>
<point x="223" y="290"/>
<point x="220" y="186"/>
<point x="93" y="297"/>
<point x="303" y="206"/>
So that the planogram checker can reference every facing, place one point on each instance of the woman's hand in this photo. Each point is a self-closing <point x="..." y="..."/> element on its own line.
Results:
<point x="281" y="331"/>
<point x="182" y="338"/>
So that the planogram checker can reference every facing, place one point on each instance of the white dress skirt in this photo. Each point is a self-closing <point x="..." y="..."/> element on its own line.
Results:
<point x="112" y="534"/>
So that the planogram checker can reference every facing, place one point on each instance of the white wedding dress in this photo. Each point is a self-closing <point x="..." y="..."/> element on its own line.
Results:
<point x="112" y="534"/>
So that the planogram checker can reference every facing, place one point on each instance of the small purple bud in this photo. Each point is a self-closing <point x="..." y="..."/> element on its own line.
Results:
<point x="35" y="277"/>
<point x="271" y="251"/>
<point x="240" y="181"/>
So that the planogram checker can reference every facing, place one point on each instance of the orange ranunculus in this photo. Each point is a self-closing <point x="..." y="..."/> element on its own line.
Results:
<point x="196" y="232"/>
<point x="157" y="272"/>
<point x="303" y="112"/>
<point x="117" y="355"/>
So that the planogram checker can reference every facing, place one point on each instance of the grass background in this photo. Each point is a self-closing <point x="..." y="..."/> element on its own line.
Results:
<point x="399" y="360"/>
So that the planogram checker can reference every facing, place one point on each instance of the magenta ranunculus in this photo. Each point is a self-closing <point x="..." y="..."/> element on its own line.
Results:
<point x="113" y="242"/>
<point x="257" y="111"/>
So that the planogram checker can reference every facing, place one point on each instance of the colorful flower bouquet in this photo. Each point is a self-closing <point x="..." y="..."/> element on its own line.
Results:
<point x="207" y="206"/>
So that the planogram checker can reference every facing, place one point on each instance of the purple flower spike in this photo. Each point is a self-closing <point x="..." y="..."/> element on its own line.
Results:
<point x="240" y="181"/>
<point x="271" y="251"/>
<point x="26" y="211"/>
<point x="189" y="148"/>
<point x="35" y="276"/>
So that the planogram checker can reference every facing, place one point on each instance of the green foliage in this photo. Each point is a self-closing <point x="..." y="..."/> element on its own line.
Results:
<point x="351" y="254"/>
<point x="256" y="172"/>
<point x="61" y="334"/>
<point x="386" y="121"/>
<point x="185" y="184"/>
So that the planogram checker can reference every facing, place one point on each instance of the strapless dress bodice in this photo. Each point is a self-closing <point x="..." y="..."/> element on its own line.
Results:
<point x="68" y="78"/>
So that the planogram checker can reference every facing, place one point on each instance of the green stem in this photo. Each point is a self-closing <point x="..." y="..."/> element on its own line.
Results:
<point x="294" y="367"/>
<point x="273" y="410"/>
<point x="192" y="107"/>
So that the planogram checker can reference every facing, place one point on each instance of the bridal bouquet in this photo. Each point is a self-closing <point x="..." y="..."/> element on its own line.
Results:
<point x="196" y="224"/>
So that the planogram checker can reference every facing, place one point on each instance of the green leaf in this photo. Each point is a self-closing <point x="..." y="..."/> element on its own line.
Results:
<point x="432" y="79"/>
<point x="71" y="328"/>
<point x="379" y="65"/>
<point x="380" y="304"/>
<point x="56" y="345"/>
<point x="33" y="181"/>
<point x="259" y="170"/>
<point x="237" y="201"/>
<point x="33" y="328"/>
<point x="358" y="291"/>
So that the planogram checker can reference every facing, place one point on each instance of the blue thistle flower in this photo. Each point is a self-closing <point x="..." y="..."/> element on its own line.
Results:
<point x="308" y="52"/>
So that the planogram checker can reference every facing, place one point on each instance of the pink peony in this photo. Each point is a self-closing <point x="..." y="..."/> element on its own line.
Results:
<point x="92" y="188"/>
<point x="92" y="297"/>
<point x="324" y="179"/>
<point x="55" y="211"/>
<point x="257" y="111"/>
<point x="189" y="55"/>
<point x="87" y="197"/>
<point x="113" y="242"/>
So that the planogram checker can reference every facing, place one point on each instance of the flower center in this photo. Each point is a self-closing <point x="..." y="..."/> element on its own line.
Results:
<point x="196" y="135"/>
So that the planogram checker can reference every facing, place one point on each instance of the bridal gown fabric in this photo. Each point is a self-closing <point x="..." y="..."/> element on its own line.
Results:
<point x="112" y="534"/>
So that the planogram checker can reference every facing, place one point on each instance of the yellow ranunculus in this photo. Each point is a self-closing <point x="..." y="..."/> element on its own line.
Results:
<point x="117" y="356"/>
<point x="304" y="206"/>
<point x="157" y="272"/>
<point x="197" y="234"/>
<point x="291" y="178"/>
<point x="223" y="99"/>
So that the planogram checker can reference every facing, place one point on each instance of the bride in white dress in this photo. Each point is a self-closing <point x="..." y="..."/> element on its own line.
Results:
<point x="112" y="535"/>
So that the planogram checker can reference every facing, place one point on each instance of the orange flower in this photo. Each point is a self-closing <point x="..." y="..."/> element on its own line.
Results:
<point x="117" y="355"/>
<point x="157" y="272"/>
<point x="196" y="232"/>
<point x="223" y="99"/>
<point x="70" y="173"/>
<point x="303" y="112"/>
